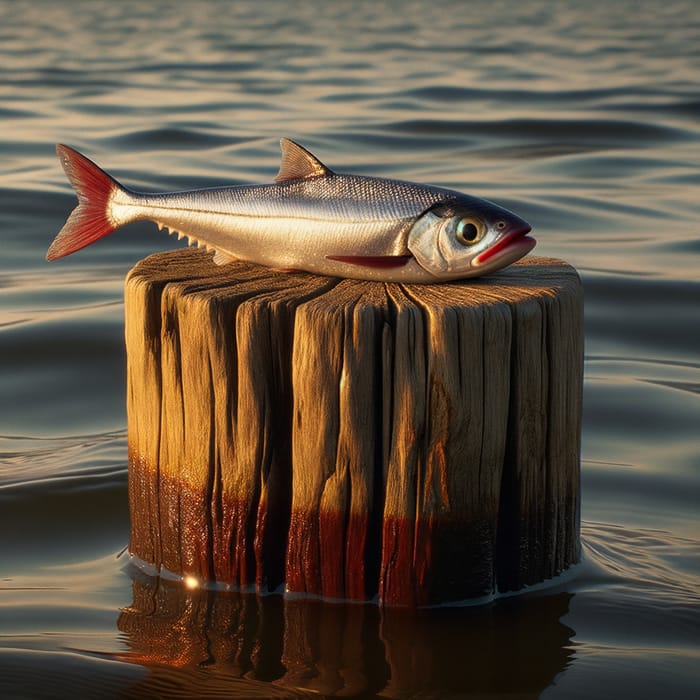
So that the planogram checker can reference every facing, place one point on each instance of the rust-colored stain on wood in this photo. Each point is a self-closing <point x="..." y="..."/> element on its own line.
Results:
<point x="411" y="443"/>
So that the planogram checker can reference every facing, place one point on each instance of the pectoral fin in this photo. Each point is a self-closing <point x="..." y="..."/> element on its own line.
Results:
<point x="372" y="261"/>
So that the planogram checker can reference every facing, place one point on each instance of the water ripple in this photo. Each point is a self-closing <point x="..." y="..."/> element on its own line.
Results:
<point x="582" y="117"/>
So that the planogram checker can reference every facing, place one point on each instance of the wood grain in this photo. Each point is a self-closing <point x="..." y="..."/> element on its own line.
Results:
<point x="411" y="443"/>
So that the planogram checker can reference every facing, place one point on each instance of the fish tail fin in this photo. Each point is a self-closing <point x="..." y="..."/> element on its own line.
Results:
<point x="92" y="219"/>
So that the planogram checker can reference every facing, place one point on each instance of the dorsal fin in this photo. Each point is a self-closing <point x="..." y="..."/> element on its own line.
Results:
<point x="298" y="163"/>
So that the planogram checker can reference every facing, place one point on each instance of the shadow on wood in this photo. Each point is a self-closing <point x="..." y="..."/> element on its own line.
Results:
<point x="352" y="439"/>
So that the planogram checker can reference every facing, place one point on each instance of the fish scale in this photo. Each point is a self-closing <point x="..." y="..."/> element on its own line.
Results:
<point x="310" y="218"/>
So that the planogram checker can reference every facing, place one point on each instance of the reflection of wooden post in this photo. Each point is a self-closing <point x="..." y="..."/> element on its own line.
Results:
<point x="354" y="439"/>
<point x="230" y="644"/>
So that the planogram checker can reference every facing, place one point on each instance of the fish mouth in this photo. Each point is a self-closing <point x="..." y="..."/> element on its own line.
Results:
<point x="510" y="248"/>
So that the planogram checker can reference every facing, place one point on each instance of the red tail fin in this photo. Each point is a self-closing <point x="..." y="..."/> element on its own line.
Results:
<point x="90" y="220"/>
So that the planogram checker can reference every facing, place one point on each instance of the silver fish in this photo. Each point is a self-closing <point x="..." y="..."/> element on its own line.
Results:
<point x="309" y="219"/>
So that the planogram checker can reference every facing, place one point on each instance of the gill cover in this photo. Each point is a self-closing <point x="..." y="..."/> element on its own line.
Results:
<point x="438" y="243"/>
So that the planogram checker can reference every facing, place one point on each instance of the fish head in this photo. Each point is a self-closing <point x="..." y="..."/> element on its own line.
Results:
<point x="466" y="237"/>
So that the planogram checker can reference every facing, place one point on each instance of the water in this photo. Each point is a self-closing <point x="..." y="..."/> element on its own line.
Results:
<point x="581" y="117"/>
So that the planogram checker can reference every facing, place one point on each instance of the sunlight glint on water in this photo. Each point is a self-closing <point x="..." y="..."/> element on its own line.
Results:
<point x="581" y="117"/>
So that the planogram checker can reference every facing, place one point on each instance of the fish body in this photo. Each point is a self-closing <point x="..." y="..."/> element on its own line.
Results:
<point x="310" y="218"/>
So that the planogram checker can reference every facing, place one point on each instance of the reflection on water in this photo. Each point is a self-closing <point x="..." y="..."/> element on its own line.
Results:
<point x="350" y="649"/>
<point x="581" y="117"/>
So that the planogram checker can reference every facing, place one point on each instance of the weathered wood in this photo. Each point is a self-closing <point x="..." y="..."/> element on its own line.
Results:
<point x="415" y="443"/>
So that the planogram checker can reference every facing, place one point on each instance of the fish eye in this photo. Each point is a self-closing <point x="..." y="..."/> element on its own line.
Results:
<point x="469" y="231"/>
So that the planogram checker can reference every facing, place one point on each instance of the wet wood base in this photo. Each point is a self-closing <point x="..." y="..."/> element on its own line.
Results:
<point x="414" y="443"/>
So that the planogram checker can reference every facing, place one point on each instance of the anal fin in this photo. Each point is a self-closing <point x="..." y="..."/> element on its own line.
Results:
<point x="221" y="258"/>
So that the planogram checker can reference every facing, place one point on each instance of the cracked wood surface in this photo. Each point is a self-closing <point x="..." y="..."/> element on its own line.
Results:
<point x="411" y="443"/>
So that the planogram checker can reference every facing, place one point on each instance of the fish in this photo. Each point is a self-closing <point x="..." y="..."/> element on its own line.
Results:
<point x="309" y="218"/>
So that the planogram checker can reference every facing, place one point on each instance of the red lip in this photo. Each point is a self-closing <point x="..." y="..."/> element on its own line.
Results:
<point x="518" y="236"/>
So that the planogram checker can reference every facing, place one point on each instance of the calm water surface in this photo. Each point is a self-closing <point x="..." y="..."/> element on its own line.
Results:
<point x="582" y="117"/>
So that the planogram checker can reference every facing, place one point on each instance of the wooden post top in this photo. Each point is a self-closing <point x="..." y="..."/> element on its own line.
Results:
<point x="195" y="271"/>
